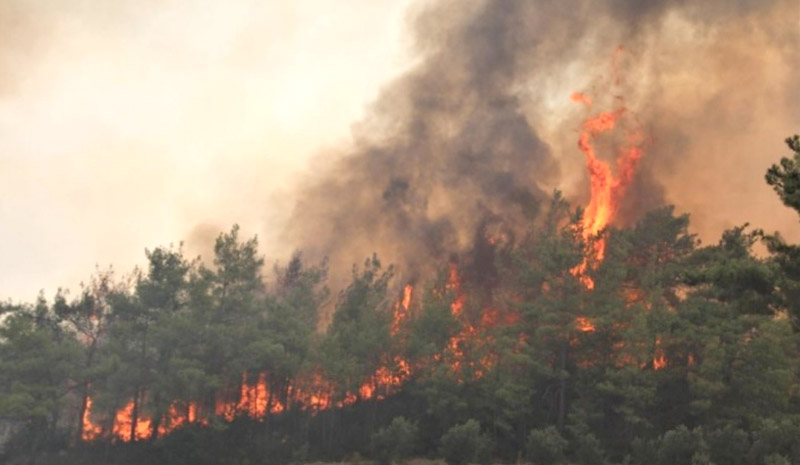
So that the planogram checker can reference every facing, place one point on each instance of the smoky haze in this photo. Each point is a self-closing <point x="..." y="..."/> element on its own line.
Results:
<point x="131" y="124"/>
<point x="481" y="130"/>
<point x="136" y="124"/>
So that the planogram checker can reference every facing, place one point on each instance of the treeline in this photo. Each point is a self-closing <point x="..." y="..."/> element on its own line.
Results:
<point x="676" y="353"/>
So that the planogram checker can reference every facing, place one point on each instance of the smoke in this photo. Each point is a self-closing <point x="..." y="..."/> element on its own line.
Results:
<point x="444" y="148"/>
<point x="124" y="125"/>
<point x="481" y="130"/>
<point x="134" y="124"/>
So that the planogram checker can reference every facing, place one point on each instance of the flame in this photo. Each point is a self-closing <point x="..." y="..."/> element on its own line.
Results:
<point x="584" y="325"/>
<point x="659" y="359"/>
<point x="123" y="421"/>
<point x="90" y="431"/>
<point x="581" y="98"/>
<point x="178" y="416"/>
<point x="314" y="392"/>
<point x="401" y="309"/>
<point x="253" y="398"/>
<point x="607" y="189"/>
<point x="454" y="285"/>
<point x="472" y="335"/>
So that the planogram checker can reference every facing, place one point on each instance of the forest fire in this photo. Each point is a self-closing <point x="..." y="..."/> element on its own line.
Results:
<point x="124" y="427"/>
<point x="607" y="189"/>
<point x="401" y="309"/>
<point x="584" y="325"/>
<point x="254" y="398"/>
<point x="314" y="393"/>
<point x="424" y="266"/>
<point x="90" y="431"/>
<point x="659" y="359"/>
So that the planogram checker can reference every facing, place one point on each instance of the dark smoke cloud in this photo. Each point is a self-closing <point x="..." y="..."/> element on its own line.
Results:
<point x="445" y="147"/>
<point x="467" y="136"/>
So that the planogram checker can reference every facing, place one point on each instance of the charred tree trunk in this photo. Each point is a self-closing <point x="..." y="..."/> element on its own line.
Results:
<point x="270" y="399"/>
<point x="211" y="402"/>
<point x="562" y="386"/>
<point x="156" y="420"/>
<point x="135" y="414"/>
<point x="85" y="391"/>
<point x="285" y="396"/>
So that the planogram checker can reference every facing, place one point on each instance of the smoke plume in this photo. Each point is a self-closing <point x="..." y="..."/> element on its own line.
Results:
<point x="481" y="130"/>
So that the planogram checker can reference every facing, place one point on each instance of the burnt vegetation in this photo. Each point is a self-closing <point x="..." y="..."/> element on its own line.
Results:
<point x="678" y="354"/>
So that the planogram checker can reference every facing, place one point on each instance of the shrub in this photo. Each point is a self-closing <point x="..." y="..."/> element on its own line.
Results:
<point x="394" y="442"/>
<point x="776" y="438"/>
<point x="644" y="451"/>
<point x="588" y="450"/>
<point x="679" y="446"/>
<point x="776" y="459"/>
<point x="701" y="458"/>
<point x="728" y="445"/>
<point x="545" y="446"/>
<point x="464" y="443"/>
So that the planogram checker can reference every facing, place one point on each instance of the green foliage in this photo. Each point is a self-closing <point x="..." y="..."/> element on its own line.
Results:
<point x="729" y="445"/>
<point x="433" y="328"/>
<point x="546" y="446"/>
<point x="776" y="438"/>
<point x="394" y="442"/>
<point x="644" y="451"/>
<point x="785" y="177"/>
<point x="785" y="180"/>
<point x="776" y="459"/>
<point x="464" y="443"/>
<point x="355" y="343"/>
<point x="588" y="450"/>
<point x="37" y="358"/>
<point x="681" y="446"/>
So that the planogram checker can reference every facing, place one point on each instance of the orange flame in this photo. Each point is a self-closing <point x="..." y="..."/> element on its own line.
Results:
<point x="581" y="98"/>
<point x="607" y="189"/>
<point x="313" y="391"/>
<point x="123" y="421"/>
<point x="584" y="325"/>
<point x="176" y="417"/>
<point x="659" y="359"/>
<point x="401" y="309"/>
<point x="90" y="431"/>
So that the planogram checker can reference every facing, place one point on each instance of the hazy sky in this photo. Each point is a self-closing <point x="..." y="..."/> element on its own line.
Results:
<point x="126" y="124"/>
<point x="130" y="124"/>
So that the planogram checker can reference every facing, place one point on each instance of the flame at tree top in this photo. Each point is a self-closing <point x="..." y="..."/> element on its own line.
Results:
<point x="607" y="188"/>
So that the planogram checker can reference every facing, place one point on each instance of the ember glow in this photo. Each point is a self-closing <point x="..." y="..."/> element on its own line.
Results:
<point x="659" y="359"/>
<point x="583" y="325"/>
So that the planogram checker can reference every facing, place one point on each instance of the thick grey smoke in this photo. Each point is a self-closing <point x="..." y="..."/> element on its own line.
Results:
<point x="446" y="147"/>
<point x="470" y="136"/>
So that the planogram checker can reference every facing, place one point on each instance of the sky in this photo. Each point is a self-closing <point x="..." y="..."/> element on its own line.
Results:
<point x="129" y="125"/>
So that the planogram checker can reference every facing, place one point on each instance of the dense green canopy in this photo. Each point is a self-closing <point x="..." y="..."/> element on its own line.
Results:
<point x="679" y="354"/>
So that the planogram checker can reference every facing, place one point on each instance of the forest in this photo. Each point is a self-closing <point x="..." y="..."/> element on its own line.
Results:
<point x="638" y="345"/>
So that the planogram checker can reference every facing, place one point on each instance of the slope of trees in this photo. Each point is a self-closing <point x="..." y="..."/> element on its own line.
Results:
<point x="679" y="354"/>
